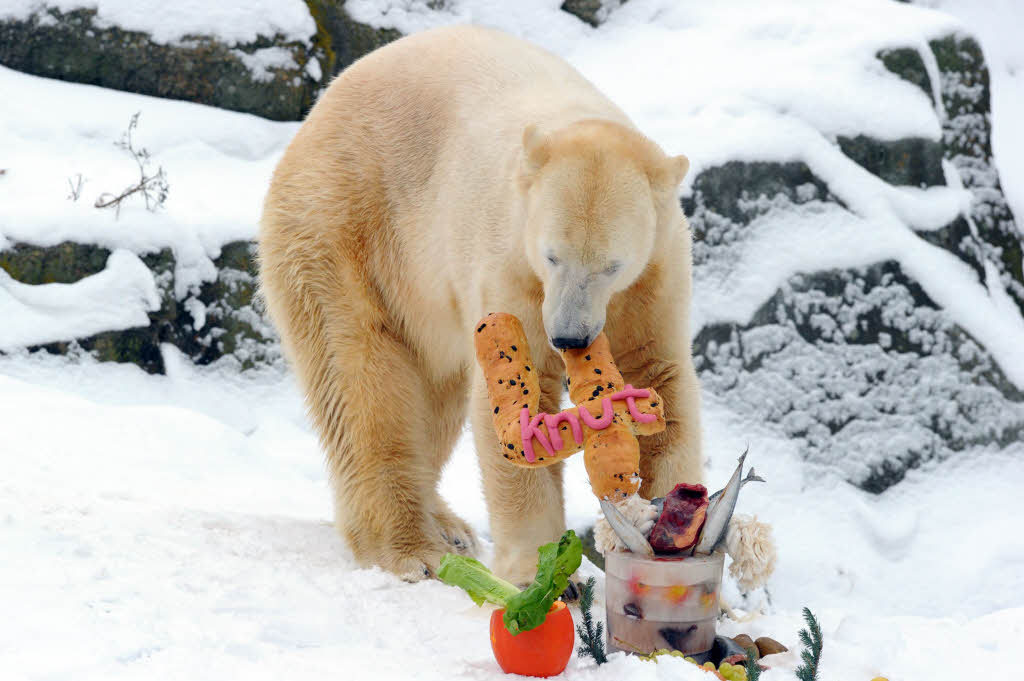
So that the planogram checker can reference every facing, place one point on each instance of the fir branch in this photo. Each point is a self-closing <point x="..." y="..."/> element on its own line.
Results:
<point x="591" y="636"/>
<point x="811" y="655"/>
<point x="753" y="668"/>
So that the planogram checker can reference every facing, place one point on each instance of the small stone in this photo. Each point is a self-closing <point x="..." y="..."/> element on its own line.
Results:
<point x="769" y="646"/>
<point x="747" y="643"/>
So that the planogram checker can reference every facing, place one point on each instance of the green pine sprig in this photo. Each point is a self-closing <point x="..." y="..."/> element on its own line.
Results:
<point x="753" y="668"/>
<point x="811" y="654"/>
<point x="591" y="635"/>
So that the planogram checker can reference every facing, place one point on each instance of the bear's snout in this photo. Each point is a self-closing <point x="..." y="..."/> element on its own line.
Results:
<point x="570" y="342"/>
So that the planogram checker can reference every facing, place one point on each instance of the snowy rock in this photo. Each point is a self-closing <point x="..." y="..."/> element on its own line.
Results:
<point x="861" y="363"/>
<point x="274" y="68"/>
<point x="594" y="12"/>
<point x="994" y="235"/>
<point x="218" y="319"/>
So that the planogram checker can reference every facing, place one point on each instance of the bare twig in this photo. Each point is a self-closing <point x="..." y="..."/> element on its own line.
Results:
<point x="153" y="188"/>
<point x="75" y="187"/>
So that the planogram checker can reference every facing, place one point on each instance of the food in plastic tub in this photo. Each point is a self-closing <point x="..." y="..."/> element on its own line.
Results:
<point x="662" y="602"/>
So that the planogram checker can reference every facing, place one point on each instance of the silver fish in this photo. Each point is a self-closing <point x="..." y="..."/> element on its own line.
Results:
<point x="719" y="512"/>
<point x="630" y="536"/>
<point x="659" y="502"/>
<point x="751" y="477"/>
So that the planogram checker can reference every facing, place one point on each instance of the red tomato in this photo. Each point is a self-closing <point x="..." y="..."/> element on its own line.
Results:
<point x="544" y="651"/>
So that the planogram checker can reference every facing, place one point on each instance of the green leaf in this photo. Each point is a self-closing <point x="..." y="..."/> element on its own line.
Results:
<point x="477" y="580"/>
<point x="556" y="563"/>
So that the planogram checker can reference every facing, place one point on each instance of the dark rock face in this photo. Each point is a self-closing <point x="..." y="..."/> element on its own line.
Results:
<point x="915" y="161"/>
<point x="860" y="364"/>
<point x="906" y="62"/>
<point x="233" y="324"/>
<point x="62" y="264"/>
<point x="72" y="46"/>
<point x="727" y="192"/>
<point x="272" y="77"/>
<point x="342" y="40"/>
<point x="594" y="12"/>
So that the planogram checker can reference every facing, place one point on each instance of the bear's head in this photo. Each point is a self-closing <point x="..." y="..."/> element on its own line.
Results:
<point x="598" y="197"/>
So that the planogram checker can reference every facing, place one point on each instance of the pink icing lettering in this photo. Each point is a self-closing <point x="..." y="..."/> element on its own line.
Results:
<point x="552" y="423"/>
<point x="607" y="414"/>
<point x="528" y="428"/>
<point x="629" y="393"/>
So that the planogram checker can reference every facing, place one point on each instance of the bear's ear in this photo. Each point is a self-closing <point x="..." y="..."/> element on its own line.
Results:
<point x="668" y="173"/>
<point x="536" y="149"/>
<point x="680" y="166"/>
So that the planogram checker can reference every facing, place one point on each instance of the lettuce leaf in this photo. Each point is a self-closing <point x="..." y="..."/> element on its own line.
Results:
<point x="527" y="609"/>
<point x="477" y="580"/>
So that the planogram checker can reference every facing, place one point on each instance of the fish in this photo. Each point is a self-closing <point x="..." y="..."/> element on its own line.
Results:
<point x="634" y="540"/>
<point x="751" y="477"/>
<point x="721" y="509"/>
<point x="659" y="502"/>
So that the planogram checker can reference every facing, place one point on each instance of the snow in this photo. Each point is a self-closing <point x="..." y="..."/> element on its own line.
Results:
<point x="263" y="61"/>
<point x="170" y="22"/>
<point x="764" y="66"/>
<point x="218" y="164"/>
<point x="116" y="298"/>
<point x="179" y="527"/>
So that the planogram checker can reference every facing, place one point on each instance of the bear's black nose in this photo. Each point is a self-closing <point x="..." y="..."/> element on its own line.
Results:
<point x="567" y="343"/>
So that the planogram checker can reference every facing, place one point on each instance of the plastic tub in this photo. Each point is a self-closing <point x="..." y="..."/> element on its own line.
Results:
<point x="662" y="602"/>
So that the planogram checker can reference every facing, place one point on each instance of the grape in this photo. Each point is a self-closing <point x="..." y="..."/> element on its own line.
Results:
<point x="731" y="672"/>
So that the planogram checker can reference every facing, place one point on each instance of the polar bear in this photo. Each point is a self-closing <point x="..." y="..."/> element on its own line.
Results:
<point x="449" y="174"/>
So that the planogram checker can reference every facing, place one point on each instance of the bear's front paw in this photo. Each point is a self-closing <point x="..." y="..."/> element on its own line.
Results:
<point x="414" y="565"/>
<point x="456" y="533"/>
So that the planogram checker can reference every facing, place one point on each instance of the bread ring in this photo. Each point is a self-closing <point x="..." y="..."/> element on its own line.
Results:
<point x="608" y="416"/>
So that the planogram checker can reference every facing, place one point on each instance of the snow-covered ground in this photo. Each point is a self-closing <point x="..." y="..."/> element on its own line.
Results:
<point x="179" y="526"/>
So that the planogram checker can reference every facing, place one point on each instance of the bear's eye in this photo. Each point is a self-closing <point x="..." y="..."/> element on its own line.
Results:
<point x="612" y="269"/>
<point x="552" y="260"/>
